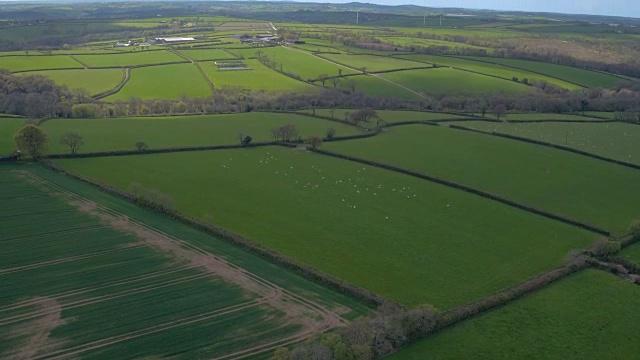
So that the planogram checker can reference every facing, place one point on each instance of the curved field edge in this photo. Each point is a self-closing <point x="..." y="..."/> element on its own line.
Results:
<point x="403" y="238"/>
<point x="585" y="315"/>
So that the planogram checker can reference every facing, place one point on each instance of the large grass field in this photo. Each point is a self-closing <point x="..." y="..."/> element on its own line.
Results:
<point x="130" y="59"/>
<point x="407" y="239"/>
<point x="206" y="54"/>
<point x="588" y="315"/>
<point x="259" y="77"/>
<point x="28" y="63"/>
<point x="489" y="69"/>
<point x="297" y="62"/>
<point x="8" y="127"/>
<point x="67" y="265"/>
<point x="174" y="131"/>
<point x="543" y="116"/>
<point x="579" y="76"/>
<point x="451" y="81"/>
<point x="375" y="86"/>
<point x="94" y="81"/>
<point x="564" y="183"/>
<point x="373" y="63"/>
<point x="389" y="116"/>
<point x="618" y="141"/>
<point x="163" y="82"/>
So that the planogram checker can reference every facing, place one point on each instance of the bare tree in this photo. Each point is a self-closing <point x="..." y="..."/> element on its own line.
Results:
<point x="240" y="137"/>
<point x="322" y="78"/>
<point x="363" y="115"/>
<point x="73" y="140"/>
<point x="314" y="141"/>
<point x="499" y="110"/>
<point x="331" y="133"/>
<point x="141" y="146"/>
<point x="335" y="80"/>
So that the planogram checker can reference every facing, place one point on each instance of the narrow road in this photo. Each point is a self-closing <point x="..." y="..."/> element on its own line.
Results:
<point x="348" y="67"/>
<point x="273" y="27"/>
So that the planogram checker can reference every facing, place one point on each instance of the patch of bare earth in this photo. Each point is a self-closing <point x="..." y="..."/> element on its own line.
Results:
<point x="37" y="330"/>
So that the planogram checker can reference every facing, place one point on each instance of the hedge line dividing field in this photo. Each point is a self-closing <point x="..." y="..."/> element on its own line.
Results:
<point x="468" y="189"/>
<point x="551" y="145"/>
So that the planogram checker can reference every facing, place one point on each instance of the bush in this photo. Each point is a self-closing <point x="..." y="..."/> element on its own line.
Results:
<point x="603" y="247"/>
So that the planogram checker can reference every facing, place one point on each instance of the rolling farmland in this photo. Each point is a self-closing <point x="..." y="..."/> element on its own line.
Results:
<point x="94" y="81"/>
<point x="153" y="287"/>
<point x="30" y="63"/>
<point x="129" y="59"/>
<point x="333" y="205"/>
<point x="259" y="77"/>
<point x="390" y="116"/>
<point x="373" y="63"/>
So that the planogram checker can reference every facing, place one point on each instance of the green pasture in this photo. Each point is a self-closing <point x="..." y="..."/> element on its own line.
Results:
<point x="175" y="131"/>
<point x="163" y="82"/>
<point x="374" y="86"/>
<point x="618" y="141"/>
<point x="608" y="115"/>
<point x="440" y="81"/>
<point x="585" y="316"/>
<point x="206" y="54"/>
<point x="488" y="69"/>
<point x="38" y="62"/>
<point x="389" y="116"/>
<point x="259" y="77"/>
<point x="372" y="63"/>
<point x="406" y="42"/>
<point x="143" y="57"/>
<point x="8" y="127"/>
<point x="297" y="62"/>
<point x="575" y="75"/>
<point x="543" y="116"/>
<point x="557" y="181"/>
<point x="401" y="237"/>
<point x="94" y="81"/>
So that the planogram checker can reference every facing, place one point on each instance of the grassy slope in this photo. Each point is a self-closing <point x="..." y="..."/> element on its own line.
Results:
<point x="163" y="82"/>
<point x="129" y="59"/>
<point x="450" y="81"/>
<point x="586" y="316"/>
<point x="260" y="77"/>
<point x="554" y="180"/>
<point x="389" y="116"/>
<point x="374" y="86"/>
<point x="575" y="75"/>
<point x="8" y="127"/>
<point x="406" y="239"/>
<point x="490" y="69"/>
<point x="20" y="63"/>
<point x="94" y="81"/>
<point x="373" y="63"/>
<point x="619" y="141"/>
<point x="123" y="133"/>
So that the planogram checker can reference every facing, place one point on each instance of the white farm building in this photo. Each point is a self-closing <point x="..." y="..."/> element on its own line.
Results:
<point x="172" y="40"/>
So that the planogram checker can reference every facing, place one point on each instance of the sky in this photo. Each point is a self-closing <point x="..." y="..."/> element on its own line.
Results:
<point x="628" y="8"/>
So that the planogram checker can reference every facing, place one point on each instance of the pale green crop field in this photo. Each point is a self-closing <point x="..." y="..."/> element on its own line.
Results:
<point x="450" y="81"/>
<point x="163" y="82"/>
<point x="206" y="54"/>
<point x="130" y="59"/>
<point x="94" y="81"/>
<point x="28" y="63"/>
<point x="404" y="238"/>
<point x="259" y="77"/>
<point x="373" y="63"/>
<point x="585" y="316"/>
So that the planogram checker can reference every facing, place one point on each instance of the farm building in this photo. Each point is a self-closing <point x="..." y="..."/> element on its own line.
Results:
<point x="123" y="44"/>
<point x="172" y="40"/>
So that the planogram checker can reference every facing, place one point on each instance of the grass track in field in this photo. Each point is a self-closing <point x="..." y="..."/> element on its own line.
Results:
<point x="450" y="81"/>
<point x="404" y="238"/>
<point x="557" y="181"/>
<point x="22" y="63"/>
<point x="94" y="81"/>
<point x="587" y="315"/>
<point x="129" y="59"/>
<point x="618" y="141"/>
<point x="163" y="82"/>
<point x="373" y="63"/>
<point x="259" y="78"/>
<point x="158" y="132"/>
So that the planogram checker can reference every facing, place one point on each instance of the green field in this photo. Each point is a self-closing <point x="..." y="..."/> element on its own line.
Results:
<point x="28" y="63"/>
<point x="549" y="179"/>
<point x="489" y="69"/>
<point x="8" y="127"/>
<point x="163" y="82"/>
<point x="94" y="81"/>
<point x="575" y="75"/>
<point x="175" y="131"/>
<point x="130" y="59"/>
<point x="618" y="141"/>
<point x="543" y="116"/>
<point x="373" y="63"/>
<point x="409" y="240"/>
<point x="585" y="316"/>
<point x="389" y="116"/>
<point x="450" y="81"/>
<point x="375" y="86"/>
<point x="206" y="54"/>
<point x="74" y="264"/>
<point x="259" y="77"/>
